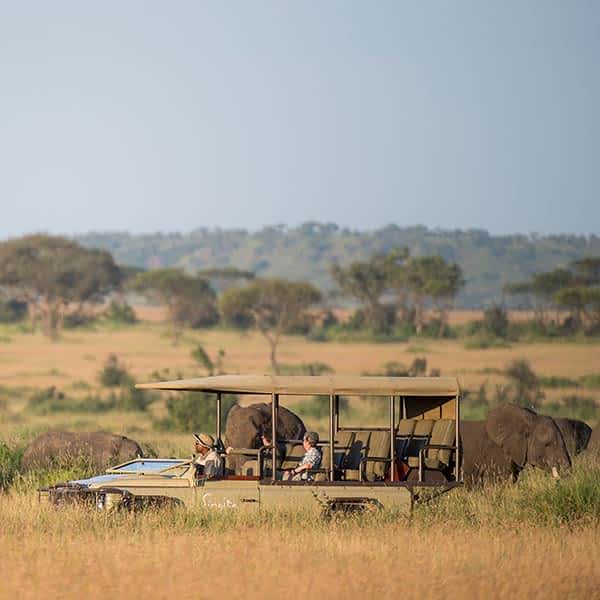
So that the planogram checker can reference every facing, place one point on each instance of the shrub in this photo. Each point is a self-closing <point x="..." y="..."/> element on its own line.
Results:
<point x="10" y="462"/>
<point x="495" y="321"/>
<point x="194" y="412"/>
<point x="313" y="368"/>
<point x="114" y="374"/>
<point x="12" y="311"/>
<point x="317" y="407"/>
<point x="525" y="385"/>
<point x="79" y="318"/>
<point x="591" y="381"/>
<point x="120" y="313"/>
<point x="200" y="355"/>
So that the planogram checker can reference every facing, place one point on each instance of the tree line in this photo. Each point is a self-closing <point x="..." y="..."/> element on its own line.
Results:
<point x="55" y="277"/>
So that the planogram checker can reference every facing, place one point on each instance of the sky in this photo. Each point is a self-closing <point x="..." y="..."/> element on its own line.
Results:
<point x="148" y="116"/>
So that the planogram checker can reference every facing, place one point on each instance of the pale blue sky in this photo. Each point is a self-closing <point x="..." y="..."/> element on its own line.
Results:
<point x="145" y="116"/>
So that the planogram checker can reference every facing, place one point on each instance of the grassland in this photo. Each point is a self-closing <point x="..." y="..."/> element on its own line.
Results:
<point x="535" y="539"/>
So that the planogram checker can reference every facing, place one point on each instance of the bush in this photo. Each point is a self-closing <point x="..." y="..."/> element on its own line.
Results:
<point x="495" y="321"/>
<point x="114" y="374"/>
<point x="131" y="399"/>
<point x="10" y="462"/>
<point x="194" y="412"/>
<point x="200" y="355"/>
<point x="120" y="313"/>
<point x="318" y="407"/>
<point x="79" y="318"/>
<point x="313" y="368"/>
<point x="574" y="407"/>
<point x="525" y="385"/>
<point x="12" y="311"/>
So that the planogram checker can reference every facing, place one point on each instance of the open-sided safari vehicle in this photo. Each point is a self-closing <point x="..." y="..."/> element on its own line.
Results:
<point x="362" y="468"/>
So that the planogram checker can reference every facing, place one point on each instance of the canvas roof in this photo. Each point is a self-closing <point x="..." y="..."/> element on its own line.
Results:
<point x="300" y="385"/>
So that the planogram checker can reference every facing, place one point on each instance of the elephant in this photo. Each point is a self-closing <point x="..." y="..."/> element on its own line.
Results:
<point x="575" y="433"/>
<point x="593" y="448"/>
<point x="100" y="448"/>
<point x="245" y="424"/>
<point x="510" y="438"/>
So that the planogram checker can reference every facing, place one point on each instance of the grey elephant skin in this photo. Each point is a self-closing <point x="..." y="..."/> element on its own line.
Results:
<point x="245" y="424"/>
<point x="510" y="438"/>
<point x="100" y="448"/>
<point x="593" y="448"/>
<point x="575" y="433"/>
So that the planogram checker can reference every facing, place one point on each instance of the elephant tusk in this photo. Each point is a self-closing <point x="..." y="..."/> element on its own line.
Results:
<point x="555" y="473"/>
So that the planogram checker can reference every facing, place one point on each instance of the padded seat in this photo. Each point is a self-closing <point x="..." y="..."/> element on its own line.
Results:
<point x="444" y="433"/>
<point x="420" y="437"/>
<point x="406" y="428"/>
<point x="378" y="455"/>
<point x="294" y="451"/>
<point x="358" y="450"/>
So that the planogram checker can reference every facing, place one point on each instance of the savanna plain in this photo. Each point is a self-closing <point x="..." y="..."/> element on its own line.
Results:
<point x="538" y="538"/>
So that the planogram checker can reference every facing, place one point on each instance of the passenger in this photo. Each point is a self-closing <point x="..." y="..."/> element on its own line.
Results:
<point x="266" y="440"/>
<point x="208" y="463"/>
<point x="311" y="459"/>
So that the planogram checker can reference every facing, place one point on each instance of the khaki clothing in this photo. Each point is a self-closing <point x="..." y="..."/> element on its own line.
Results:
<point x="212" y="464"/>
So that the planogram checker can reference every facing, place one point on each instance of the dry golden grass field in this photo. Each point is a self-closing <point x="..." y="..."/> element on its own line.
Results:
<point x="488" y="544"/>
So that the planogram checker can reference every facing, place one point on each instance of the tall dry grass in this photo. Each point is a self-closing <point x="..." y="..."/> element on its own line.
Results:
<point x="536" y="539"/>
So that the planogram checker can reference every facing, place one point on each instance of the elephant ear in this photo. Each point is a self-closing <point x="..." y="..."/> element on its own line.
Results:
<point x="509" y="427"/>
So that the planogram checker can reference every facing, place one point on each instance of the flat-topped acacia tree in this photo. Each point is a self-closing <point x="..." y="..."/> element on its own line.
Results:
<point x="52" y="273"/>
<point x="271" y="305"/>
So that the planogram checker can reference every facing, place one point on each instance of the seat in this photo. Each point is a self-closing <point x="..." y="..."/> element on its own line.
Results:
<point x="420" y="437"/>
<point x="358" y="451"/>
<point x="323" y="473"/>
<point x="342" y="447"/>
<point x="294" y="451"/>
<point x="406" y="428"/>
<point x="377" y="459"/>
<point x="443" y="434"/>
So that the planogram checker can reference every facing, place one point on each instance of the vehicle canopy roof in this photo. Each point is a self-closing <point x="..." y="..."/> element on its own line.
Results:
<point x="301" y="385"/>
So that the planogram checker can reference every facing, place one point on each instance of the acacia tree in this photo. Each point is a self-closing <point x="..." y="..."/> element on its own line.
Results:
<point x="189" y="300"/>
<point x="51" y="274"/>
<point x="367" y="281"/>
<point x="431" y="278"/>
<point x="271" y="305"/>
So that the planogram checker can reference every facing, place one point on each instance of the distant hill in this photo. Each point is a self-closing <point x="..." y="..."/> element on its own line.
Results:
<point x="305" y="252"/>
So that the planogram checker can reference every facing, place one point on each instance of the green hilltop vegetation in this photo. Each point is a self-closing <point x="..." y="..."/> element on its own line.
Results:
<point x="306" y="253"/>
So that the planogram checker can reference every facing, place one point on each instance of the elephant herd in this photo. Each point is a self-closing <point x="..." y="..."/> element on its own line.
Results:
<point x="500" y="447"/>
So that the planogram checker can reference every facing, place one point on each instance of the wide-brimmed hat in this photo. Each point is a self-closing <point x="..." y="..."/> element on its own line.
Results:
<point x="204" y="439"/>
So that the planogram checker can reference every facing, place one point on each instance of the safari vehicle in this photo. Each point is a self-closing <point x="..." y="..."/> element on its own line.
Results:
<point x="362" y="467"/>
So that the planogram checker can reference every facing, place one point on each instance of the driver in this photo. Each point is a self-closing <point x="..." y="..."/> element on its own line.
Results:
<point x="208" y="463"/>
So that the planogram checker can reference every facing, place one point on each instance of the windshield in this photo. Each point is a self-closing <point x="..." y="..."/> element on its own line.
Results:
<point x="147" y="466"/>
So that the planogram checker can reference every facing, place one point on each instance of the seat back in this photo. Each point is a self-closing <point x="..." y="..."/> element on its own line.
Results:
<point x="379" y="448"/>
<point x="358" y="450"/>
<point x="294" y="451"/>
<point x="324" y="464"/>
<point x="420" y="437"/>
<point x="444" y="433"/>
<point x="406" y="428"/>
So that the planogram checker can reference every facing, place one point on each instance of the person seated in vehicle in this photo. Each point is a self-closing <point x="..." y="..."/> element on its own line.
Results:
<point x="311" y="459"/>
<point x="266" y="440"/>
<point x="208" y="463"/>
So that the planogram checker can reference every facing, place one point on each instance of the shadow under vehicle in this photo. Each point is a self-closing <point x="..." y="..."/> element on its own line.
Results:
<point x="362" y="468"/>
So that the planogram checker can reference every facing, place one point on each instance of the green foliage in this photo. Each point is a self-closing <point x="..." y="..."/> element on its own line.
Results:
<point x="557" y="382"/>
<point x="120" y="313"/>
<point x="271" y="305"/>
<point x="200" y="355"/>
<point x="191" y="412"/>
<point x="50" y="273"/>
<point x="591" y="381"/>
<point x="189" y="299"/>
<point x="574" y="406"/>
<point x="312" y="368"/>
<point x="12" y="311"/>
<point x="10" y="462"/>
<point x="114" y="374"/>
<point x="317" y="407"/>
<point x="495" y="321"/>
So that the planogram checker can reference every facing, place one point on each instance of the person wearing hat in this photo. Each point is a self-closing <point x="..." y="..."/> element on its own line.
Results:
<point x="311" y="459"/>
<point x="208" y="462"/>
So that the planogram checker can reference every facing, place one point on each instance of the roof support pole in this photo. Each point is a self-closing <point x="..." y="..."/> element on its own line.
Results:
<point x="392" y="437"/>
<point x="332" y="407"/>
<point x="218" y="417"/>
<point x="457" y="439"/>
<point x="274" y="418"/>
